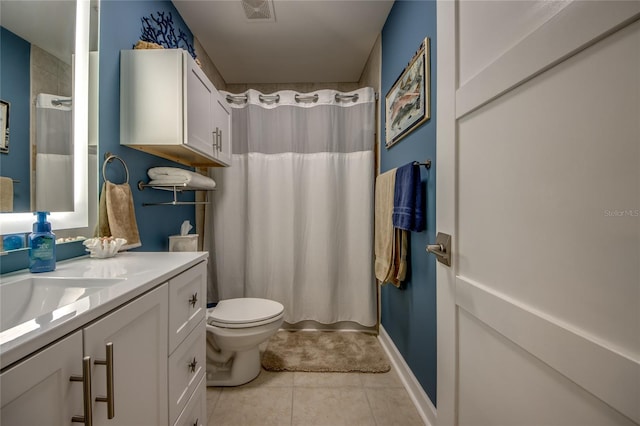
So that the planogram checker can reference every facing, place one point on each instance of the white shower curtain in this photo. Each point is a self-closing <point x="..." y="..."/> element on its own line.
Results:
<point x="293" y="215"/>
<point x="54" y="154"/>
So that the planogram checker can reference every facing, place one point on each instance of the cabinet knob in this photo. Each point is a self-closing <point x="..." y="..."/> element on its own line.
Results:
<point x="192" y="365"/>
<point x="87" y="418"/>
<point x="194" y="299"/>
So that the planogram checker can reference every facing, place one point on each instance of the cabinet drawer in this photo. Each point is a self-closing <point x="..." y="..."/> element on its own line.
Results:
<point x="195" y="413"/>
<point x="187" y="365"/>
<point x="187" y="303"/>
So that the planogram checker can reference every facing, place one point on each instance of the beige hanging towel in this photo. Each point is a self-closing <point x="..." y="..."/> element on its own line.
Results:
<point x="398" y="271"/>
<point x="6" y="195"/>
<point x="117" y="217"/>
<point x="384" y="235"/>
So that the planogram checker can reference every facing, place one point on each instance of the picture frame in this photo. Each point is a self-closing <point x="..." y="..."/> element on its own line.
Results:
<point x="407" y="104"/>
<point x="4" y="126"/>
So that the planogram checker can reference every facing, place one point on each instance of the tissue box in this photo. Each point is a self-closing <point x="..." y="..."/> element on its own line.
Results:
<point x="183" y="242"/>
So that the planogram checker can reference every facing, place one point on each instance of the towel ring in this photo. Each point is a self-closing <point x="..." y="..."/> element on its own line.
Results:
<point x="109" y="158"/>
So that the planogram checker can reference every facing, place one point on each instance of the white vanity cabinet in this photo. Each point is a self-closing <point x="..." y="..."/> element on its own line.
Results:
<point x="195" y="413"/>
<point x="37" y="391"/>
<point x="169" y="108"/>
<point x="135" y="375"/>
<point x="137" y="332"/>
<point x="187" y="339"/>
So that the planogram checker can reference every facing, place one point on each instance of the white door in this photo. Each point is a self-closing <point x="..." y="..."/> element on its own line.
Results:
<point x="539" y="185"/>
<point x="138" y="333"/>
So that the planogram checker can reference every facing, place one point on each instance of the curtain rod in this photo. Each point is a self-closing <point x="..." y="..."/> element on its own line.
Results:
<point x="275" y="98"/>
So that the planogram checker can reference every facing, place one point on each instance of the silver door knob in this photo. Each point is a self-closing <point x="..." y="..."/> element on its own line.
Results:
<point x="442" y="248"/>
<point x="437" y="249"/>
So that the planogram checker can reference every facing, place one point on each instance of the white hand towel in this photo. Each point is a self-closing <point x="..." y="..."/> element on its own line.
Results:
<point x="174" y="175"/>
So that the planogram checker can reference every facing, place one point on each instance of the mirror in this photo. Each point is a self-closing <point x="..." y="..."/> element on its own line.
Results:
<point x="35" y="20"/>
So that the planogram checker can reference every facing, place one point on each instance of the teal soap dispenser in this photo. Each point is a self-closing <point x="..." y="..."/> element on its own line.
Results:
<point x="42" y="245"/>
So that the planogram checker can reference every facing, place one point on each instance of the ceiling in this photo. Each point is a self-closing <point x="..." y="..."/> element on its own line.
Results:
<point x="310" y="41"/>
<point x="26" y="18"/>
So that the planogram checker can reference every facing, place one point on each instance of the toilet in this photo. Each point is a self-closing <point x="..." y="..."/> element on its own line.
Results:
<point x="235" y="329"/>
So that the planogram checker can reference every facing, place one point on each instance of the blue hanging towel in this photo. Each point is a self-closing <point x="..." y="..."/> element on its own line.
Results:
<point x="408" y="210"/>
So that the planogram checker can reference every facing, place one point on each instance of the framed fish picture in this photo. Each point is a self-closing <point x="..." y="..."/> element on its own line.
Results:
<point x="4" y="127"/>
<point x="407" y="102"/>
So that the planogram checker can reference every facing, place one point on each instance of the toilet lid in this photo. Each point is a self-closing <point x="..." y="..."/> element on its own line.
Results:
<point x="244" y="311"/>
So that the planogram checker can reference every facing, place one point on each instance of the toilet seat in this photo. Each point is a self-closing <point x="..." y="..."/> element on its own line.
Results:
<point x="244" y="313"/>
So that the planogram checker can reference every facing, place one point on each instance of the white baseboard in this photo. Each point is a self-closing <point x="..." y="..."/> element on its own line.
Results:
<point x="418" y="396"/>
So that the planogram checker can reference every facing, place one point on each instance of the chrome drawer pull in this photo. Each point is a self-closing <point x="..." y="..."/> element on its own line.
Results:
<point x="87" y="419"/>
<point x="194" y="299"/>
<point x="109" y="399"/>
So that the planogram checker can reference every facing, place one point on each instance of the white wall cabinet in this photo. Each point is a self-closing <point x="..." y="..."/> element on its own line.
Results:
<point x="222" y="122"/>
<point x="169" y="108"/>
<point x="151" y="383"/>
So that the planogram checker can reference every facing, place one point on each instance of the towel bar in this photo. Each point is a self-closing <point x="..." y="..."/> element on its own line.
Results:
<point x="175" y="188"/>
<point x="427" y="163"/>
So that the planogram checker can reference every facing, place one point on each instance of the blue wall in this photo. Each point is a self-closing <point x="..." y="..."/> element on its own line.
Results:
<point x="409" y="314"/>
<point x="15" y="88"/>
<point x="120" y="28"/>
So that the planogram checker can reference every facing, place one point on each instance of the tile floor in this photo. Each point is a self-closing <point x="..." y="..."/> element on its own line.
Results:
<point x="313" y="399"/>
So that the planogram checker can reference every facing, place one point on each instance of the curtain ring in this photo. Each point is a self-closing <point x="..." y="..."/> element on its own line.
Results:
<point x="109" y="158"/>
<point x="342" y="97"/>
<point x="269" y="99"/>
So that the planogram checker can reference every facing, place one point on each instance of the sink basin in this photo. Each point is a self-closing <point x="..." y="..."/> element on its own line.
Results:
<point x="37" y="298"/>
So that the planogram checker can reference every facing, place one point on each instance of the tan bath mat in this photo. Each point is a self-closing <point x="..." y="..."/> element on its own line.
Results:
<point x="325" y="351"/>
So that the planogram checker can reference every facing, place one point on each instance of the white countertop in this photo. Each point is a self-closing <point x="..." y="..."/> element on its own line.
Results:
<point x="139" y="272"/>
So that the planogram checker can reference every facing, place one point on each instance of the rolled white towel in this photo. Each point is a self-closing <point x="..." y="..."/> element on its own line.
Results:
<point x="174" y="175"/>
